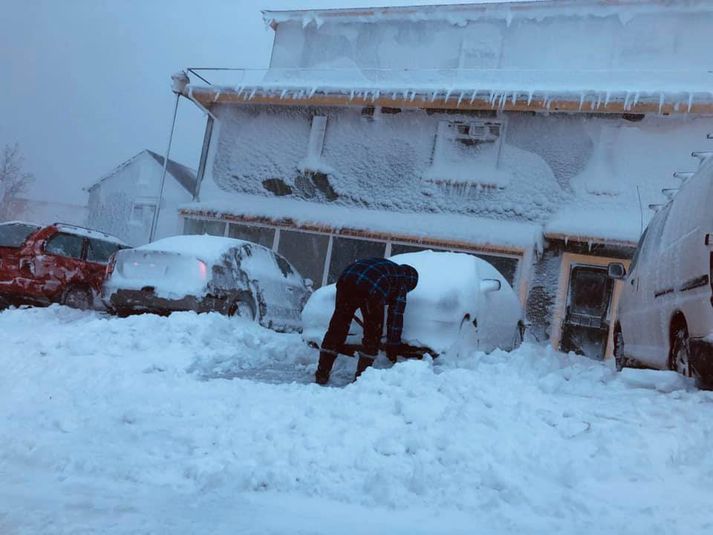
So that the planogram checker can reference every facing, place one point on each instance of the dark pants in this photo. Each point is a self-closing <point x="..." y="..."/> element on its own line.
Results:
<point x="349" y="299"/>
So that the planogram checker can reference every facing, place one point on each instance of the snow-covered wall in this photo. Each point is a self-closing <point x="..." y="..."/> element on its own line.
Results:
<point x="122" y="204"/>
<point x="571" y="173"/>
<point x="584" y="35"/>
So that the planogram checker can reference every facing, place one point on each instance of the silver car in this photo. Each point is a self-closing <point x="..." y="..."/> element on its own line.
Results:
<point x="207" y="273"/>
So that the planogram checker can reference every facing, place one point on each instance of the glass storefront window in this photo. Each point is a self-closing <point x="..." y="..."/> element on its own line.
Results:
<point x="347" y="250"/>
<point x="262" y="235"/>
<point x="306" y="252"/>
<point x="505" y="265"/>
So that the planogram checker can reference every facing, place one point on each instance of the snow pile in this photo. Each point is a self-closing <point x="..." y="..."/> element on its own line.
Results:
<point x="130" y="426"/>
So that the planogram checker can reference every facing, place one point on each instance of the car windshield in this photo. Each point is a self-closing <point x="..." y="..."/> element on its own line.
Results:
<point x="14" y="234"/>
<point x="100" y="251"/>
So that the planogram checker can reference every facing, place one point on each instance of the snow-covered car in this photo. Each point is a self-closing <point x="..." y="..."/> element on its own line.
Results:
<point x="665" y="313"/>
<point x="461" y="303"/>
<point x="207" y="273"/>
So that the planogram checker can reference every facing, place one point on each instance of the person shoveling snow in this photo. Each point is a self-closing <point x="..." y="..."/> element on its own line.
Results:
<point x="368" y="284"/>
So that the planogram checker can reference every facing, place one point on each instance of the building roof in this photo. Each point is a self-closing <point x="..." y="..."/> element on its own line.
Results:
<point x="185" y="176"/>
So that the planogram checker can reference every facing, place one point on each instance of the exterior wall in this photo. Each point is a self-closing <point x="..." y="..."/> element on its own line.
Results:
<point x="391" y="161"/>
<point x="114" y="204"/>
<point x="619" y="37"/>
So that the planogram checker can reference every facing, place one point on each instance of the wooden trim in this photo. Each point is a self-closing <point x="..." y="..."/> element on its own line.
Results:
<point x="563" y="288"/>
<point x="289" y="223"/>
<point x="589" y="239"/>
<point x="209" y="96"/>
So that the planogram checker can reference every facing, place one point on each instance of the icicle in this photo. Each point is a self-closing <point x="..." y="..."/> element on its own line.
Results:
<point x="252" y="93"/>
<point x="413" y="96"/>
<point x="460" y="98"/>
<point x="282" y="95"/>
<point x="529" y="97"/>
<point x="313" y="91"/>
<point x="566" y="241"/>
<point x="661" y="101"/>
<point x="514" y="97"/>
<point x="503" y="100"/>
<point x="433" y="97"/>
<point x="472" y="98"/>
<point x="448" y="95"/>
<point x="581" y="100"/>
<point x="690" y="102"/>
<point x="599" y="100"/>
<point x="626" y="101"/>
<point x="589" y="245"/>
<point x="377" y="95"/>
<point x="606" y="99"/>
<point x="636" y="99"/>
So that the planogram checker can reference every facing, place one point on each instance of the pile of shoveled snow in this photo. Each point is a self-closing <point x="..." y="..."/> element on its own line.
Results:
<point x="206" y="424"/>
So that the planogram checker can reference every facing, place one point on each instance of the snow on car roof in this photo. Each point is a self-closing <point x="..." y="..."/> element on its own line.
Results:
<point x="88" y="233"/>
<point x="207" y="248"/>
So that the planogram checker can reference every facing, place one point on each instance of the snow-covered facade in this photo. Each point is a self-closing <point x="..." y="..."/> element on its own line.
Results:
<point x="534" y="134"/>
<point x="123" y="202"/>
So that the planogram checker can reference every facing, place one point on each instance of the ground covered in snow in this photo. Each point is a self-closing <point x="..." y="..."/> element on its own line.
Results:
<point x="204" y="424"/>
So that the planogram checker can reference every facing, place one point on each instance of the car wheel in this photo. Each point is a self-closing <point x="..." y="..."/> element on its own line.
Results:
<point x="242" y="308"/>
<point x="76" y="297"/>
<point x="680" y="356"/>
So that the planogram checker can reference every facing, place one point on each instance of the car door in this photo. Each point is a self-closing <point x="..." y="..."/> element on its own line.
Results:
<point x="98" y="253"/>
<point x="61" y="264"/>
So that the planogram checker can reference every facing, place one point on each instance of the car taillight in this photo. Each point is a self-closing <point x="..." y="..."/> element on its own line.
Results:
<point x="110" y="266"/>
<point x="202" y="269"/>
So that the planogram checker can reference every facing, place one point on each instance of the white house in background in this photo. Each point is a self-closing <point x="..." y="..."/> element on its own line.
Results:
<point x="48" y="212"/>
<point x="532" y="134"/>
<point x="123" y="202"/>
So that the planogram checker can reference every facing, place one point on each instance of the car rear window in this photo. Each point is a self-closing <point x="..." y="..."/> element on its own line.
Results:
<point x="100" y="251"/>
<point x="14" y="234"/>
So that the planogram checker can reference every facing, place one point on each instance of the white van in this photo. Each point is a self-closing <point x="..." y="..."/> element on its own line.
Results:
<point x="665" y="314"/>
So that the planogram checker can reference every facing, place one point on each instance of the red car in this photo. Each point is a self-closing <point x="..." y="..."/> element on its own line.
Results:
<point x="55" y="264"/>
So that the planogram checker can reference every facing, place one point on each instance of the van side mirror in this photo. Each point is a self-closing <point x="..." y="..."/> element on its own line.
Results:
<point x="616" y="271"/>
<point x="490" y="285"/>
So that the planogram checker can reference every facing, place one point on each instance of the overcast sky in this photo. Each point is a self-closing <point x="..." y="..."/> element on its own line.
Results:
<point x="86" y="83"/>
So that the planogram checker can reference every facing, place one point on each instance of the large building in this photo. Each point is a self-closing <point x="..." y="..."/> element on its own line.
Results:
<point x="532" y="134"/>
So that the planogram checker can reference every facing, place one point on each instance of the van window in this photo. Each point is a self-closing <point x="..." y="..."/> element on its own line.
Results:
<point x="67" y="245"/>
<point x="654" y="231"/>
<point x="14" y="234"/>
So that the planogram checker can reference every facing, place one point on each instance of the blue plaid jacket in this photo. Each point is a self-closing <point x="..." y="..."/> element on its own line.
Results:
<point x="382" y="279"/>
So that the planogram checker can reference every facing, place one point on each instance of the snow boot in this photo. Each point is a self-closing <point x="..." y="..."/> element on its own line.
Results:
<point x="363" y="363"/>
<point x="326" y="361"/>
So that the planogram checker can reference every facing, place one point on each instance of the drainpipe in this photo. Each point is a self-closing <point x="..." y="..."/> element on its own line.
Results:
<point x="179" y="81"/>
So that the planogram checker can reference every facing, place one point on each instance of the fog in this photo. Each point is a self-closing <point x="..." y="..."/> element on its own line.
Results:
<point x="86" y="83"/>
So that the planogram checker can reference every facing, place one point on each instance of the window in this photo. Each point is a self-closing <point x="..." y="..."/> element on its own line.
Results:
<point x="262" y="235"/>
<point x="506" y="265"/>
<point x="143" y="213"/>
<point x="14" y="234"/>
<point x="306" y="252"/>
<point x="467" y="151"/>
<point x="347" y="250"/>
<point x="199" y="226"/>
<point x="100" y="251"/>
<point x="65" y="245"/>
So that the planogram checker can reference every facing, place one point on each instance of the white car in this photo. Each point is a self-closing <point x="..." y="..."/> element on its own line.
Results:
<point x="665" y="313"/>
<point x="207" y="273"/>
<point x="461" y="303"/>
